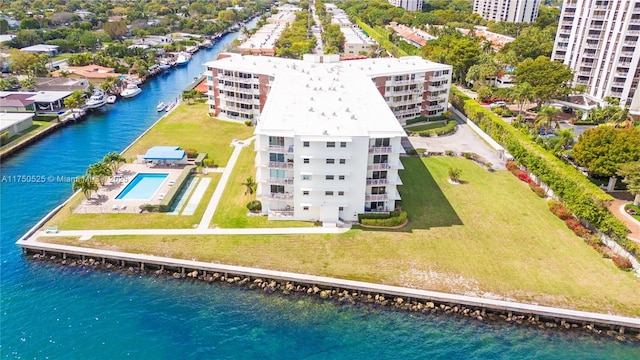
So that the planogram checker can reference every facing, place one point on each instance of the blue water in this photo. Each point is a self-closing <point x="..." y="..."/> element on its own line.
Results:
<point x="47" y="311"/>
<point x="142" y="187"/>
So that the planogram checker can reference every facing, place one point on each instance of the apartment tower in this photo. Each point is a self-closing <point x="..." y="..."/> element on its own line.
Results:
<point x="507" y="10"/>
<point x="598" y="40"/>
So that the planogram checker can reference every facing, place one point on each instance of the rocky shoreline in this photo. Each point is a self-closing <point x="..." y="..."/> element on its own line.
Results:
<point x="342" y="296"/>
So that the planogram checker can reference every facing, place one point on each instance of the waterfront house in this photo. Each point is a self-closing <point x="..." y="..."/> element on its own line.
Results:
<point x="61" y="84"/>
<point x="10" y="101"/>
<point x="15" y="123"/>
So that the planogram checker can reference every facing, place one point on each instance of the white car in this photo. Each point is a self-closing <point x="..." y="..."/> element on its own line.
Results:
<point x="498" y="104"/>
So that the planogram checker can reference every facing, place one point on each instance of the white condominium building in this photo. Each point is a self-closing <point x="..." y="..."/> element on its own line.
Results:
<point x="507" y="10"/>
<point x="327" y="143"/>
<point x="598" y="40"/>
<point x="410" y="5"/>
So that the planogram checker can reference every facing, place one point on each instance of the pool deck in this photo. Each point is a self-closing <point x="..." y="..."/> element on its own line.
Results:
<point x="104" y="200"/>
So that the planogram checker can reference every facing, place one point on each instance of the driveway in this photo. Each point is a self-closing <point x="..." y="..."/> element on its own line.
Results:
<point x="463" y="140"/>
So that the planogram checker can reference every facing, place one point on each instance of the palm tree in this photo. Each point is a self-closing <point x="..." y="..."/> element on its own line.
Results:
<point x="546" y="116"/>
<point x="560" y="143"/>
<point x="75" y="100"/>
<point x="113" y="159"/>
<point x="522" y="93"/>
<point x="85" y="184"/>
<point x="250" y="185"/>
<point x="29" y="83"/>
<point x="100" y="170"/>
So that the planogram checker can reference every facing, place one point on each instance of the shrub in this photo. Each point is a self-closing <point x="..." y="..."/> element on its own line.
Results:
<point x="454" y="174"/>
<point x="622" y="262"/>
<point x="537" y="189"/>
<point x="4" y="138"/>
<point x="497" y="110"/>
<point x="421" y="151"/>
<point x="468" y="155"/>
<point x="254" y="206"/>
<point x="559" y="210"/>
<point x="191" y="153"/>
<point x="208" y="162"/>
<point x="449" y="153"/>
<point x="412" y="152"/>
<point x="248" y="122"/>
<point x="395" y="218"/>
<point x="506" y="112"/>
<point x="524" y="177"/>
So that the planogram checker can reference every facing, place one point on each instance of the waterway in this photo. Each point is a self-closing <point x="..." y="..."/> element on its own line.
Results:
<point x="47" y="311"/>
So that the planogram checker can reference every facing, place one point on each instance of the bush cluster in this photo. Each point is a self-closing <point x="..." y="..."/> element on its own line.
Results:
<point x="584" y="199"/>
<point x="254" y="206"/>
<point x="391" y="219"/>
<point x="449" y="128"/>
<point x="622" y="262"/>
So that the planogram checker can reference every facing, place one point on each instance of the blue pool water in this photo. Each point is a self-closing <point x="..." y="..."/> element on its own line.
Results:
<point x="142" y="187"/>
<point x="48" y="311"/>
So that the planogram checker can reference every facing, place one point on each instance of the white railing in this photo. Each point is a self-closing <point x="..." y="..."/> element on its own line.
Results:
<point x="377" y="181"/>
<point x="281" y="181"/>
<point x="379" y="166"/>
<point x="376" y="197"/>
<point x="434" y="107"/>
<point x="281" y="165"/>
<point x="281" y="196"/>
<point x="276" y="213"/>
<point x="380" y="150"/>
<point x="435" y="87"/>
<point x="281" y="149"/>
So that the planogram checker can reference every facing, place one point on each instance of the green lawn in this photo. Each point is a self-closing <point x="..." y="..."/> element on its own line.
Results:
<point x="38" y="126"/>
<point x="67" y="220"/>
<point x="423" y="127"/>
<point x="189" y="126"/>
<point x="232" y="211"/>
<point x="490" y="236"/>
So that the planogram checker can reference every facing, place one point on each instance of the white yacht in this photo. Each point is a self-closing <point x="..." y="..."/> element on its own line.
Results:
<point x="111" y="99"/>
<point x="96" y="100"/>
<point x="130" y="91"/>
<point x="183" y="59"/>
<point x="161" y="107"/>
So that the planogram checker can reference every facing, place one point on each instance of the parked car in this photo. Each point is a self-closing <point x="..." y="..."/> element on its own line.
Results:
<point x="498" y="104"/>
<point x="567" y="109"/>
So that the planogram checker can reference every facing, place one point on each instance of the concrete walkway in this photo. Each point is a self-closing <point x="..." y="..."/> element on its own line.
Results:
<point x="217" y="194"/>
<point x="195" y="199"/>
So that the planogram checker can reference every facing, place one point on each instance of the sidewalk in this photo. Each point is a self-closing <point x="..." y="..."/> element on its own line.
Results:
<point x="617" y="209"/>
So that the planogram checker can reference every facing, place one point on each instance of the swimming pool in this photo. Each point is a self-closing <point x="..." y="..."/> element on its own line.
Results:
<point x="142" y="187"/>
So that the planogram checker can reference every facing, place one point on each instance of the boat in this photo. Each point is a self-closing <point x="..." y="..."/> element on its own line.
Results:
<point x="183" y="59"/>
<point x="164" y="66"/>
<point x="111" y="99"/>
<point x="96" y="100"/>
<point x="170" y="106"/>
<point x="161" y="106"/>
<point x="133" y="80"/>
<point x="130" y="91"/>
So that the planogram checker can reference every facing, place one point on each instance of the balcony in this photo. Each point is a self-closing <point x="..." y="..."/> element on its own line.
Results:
<point x="280" y="165"/>
<point x="403" y="92"/>
<point x="436" y="87"/>
<point x="601" y="7"/>
<point x="405" y="102"/>
<point x="589" y="55"/>
<point x="281" y="213"/>
<point x="280" y="149"/>
<point x="435" y="98"/>
<point x="281" y="181"/>
<point x="376" y="197"/>
<point x="584" y="73"/>
<point x="377" y="181"/>
<point x="415" y="111"/>
<point x="625" y="64"/>
<point x="434" y="107"/>
<point x="618" y="84"/>
<point x="633" y="32"/>
<point x="280" y="196"/>
<point x="634" y="21"/>
<point x="439" y="78"/>
<point x="404" y="82"/>
<point x="627" y="53"/>
<point x="380" y="150"/>
<point x="238" y="89"/>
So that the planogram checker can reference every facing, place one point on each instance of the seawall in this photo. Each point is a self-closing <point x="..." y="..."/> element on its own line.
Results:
<point x="286" y="283"/>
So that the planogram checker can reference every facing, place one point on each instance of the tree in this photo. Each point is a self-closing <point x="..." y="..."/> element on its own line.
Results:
<point x="115" y="29"/>
<point x="250" y="186"/>
<point x="100" y="170"/>
<point x="4" y="26"/>
<point x="631" y="177"/>
<point x="22" y="61"/>
<point x="86" y="184"/>
<point x="560" y="143"/>
<point x="454" y="175"/>
<point x="603" y="149"/>
<point x="546" y="116"/>
<point x="75" y="100"/>
<point x="113" y="159"/>
<point x="29" y="83"/>
<point x="521" y="93"/>
<point x="29" y="23"/>
<point x="548" y="78"/>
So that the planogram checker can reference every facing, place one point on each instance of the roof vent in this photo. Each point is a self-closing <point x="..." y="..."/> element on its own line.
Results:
<point x="312" y="98"/>
<point x="334" y="114"/>
<point x="339" y="99"/>
<point x="323" y="114"/>
<point x="353" y="117"/>
<point x="347" y="110"/>
<point x="325" y="132"/>
<point x="310" y="109"/>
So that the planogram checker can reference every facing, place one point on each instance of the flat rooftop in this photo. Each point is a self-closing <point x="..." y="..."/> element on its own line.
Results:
<point x="356" y="36"/>
<point x="40" y="96"/>
<point x="7" y="120"/>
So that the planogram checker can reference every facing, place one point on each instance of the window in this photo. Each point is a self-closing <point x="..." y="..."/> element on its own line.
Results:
<point x="328" y="177"/>
<point x="343" y="161"/>
<point x="382" y="142"/>
<point x="305" y="161"/>
<point x="331" y="161"/>
<point x="279" y="189"/>
<point x="328" y="193"/>
<point x="306" y="192"/>
<point x="341" y="177"/>
<point x="256" y="86"/>
<point x="379" y="174"/>
<point x="340" y="208"/>
<point x="276" y="173"/>
<point x="276" y="157"/>
<point x="378" y="190"/>
<point x="380" y="159"/>
<point x="331" y="144"/>
<point x="340" y="193"/>
<point x="343" y="144"/>
<point x="305" y="208"/>
<point x="306" y="177"/>
<point x="305" y="144"/>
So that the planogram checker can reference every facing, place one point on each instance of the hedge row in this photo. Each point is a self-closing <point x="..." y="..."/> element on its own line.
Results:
<point x="584" y="199"/>
<point x="45" y="117"/>
<point x="165" y="204"/>
<point x="448" y="128"/>
<point x="392" y="219"/>
<point x="381" y="39"/>
<point x="426" y="119"/>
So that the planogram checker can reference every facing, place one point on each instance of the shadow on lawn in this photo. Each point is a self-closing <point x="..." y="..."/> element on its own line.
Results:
<point x="422" y="199"/>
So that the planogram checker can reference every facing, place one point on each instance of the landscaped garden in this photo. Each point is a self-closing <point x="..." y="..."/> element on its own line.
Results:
<point x="488" y="236"/>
